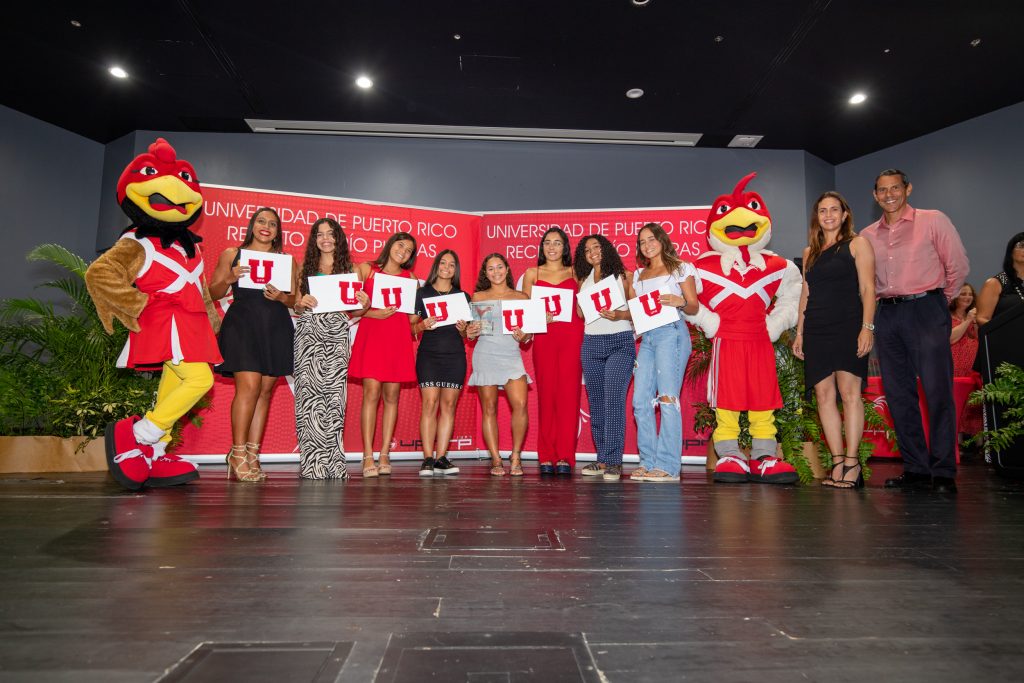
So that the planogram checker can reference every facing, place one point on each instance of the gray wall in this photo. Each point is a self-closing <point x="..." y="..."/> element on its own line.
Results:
<point x="50" y="191"/>
<point x="973" y="172"/>
<point x="478" y="176"/>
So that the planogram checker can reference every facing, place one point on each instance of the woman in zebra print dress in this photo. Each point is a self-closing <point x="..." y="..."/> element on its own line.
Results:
<point x="321" y="359"/>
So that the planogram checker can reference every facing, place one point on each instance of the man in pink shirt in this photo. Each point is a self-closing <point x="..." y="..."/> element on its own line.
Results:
<point x="920" y="264"/>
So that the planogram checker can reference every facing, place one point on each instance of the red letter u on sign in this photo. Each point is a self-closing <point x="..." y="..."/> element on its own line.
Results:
<point x="651" y="303"/>
<point x="438" y="310"/>
<point x="513" y="319"/>
<point x="254" y="271"/>
<point x="348" y="292"/>
<point x="602" y="300"/>
<point x="392" y="293"/>
<point x="553" y="304"/>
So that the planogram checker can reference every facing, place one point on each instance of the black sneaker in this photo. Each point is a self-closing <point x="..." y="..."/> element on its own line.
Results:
<point x="427" y="468"/>
<point x="444" y="466"/>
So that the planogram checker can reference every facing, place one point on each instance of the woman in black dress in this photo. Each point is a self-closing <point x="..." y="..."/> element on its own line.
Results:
<point x="256" y="343"/>
<point x="440" y="365"/>
<point x="835" y="331"/>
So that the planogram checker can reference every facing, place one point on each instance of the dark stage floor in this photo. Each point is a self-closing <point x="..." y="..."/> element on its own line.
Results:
<point x="476" y="579"/>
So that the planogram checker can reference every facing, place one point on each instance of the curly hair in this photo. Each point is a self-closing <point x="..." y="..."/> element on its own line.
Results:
<point x="566" y="251"/>
<point x="669" y="257"/>
<point x="382" y="257"/>
<point x="815" y="234"/>
<point x="277" y="245"/>
<point x="611" y="262"/>
<point x="483" y="284"/>
<point x="311" y="261"/>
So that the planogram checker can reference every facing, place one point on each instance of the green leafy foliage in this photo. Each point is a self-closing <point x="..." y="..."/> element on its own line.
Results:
<point x="1008" y="391"/>
<point x="57" y="364"/>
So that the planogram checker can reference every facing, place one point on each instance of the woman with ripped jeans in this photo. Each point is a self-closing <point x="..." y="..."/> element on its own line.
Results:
<point x="662" y="356"/>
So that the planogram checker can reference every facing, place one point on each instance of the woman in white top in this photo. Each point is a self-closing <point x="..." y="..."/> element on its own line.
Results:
<point x="607" y="354"/>
<point x="662" y="357"/>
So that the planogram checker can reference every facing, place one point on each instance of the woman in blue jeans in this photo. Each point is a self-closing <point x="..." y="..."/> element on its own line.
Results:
<point x="661" y="360"/>
<point x="607" y="354"/>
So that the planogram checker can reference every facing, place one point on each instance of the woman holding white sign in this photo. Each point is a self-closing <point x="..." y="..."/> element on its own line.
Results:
<point x="440" y="358"/>
<point x="497" y="361"/>
<point x="670" y="282"/>
<point x="556" y="354"/>
<point x="322" y="356"/>
<point x="382" y="355"/>
<point x="256" y="335"/>
<point x="609" y="349"/>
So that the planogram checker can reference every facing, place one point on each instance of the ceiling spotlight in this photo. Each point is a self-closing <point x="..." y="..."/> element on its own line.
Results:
<point x="641" y="3"/>
<point x="457" y="36"/>
<point x="887" y="50"/>
<point x="634" y="93"/>
<point x="118" y="72"/>
<point x="719" y="39"/>
<point x="364" y="82"/>
<point x="76" y="23"/>
<point x="976" y="42"/>
<point x="857" y="98"/>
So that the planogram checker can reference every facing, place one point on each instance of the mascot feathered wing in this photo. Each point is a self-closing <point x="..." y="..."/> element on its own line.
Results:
<point x="152" y="281"/>
<point x="748" y="297"/>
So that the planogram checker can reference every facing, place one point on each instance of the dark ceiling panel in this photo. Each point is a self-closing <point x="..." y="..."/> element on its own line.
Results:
<point x="780" y="69"/>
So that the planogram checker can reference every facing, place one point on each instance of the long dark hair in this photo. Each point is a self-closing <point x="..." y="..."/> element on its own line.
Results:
<point x="311" y="261"/>
<point x="482" y="283"/>
<point x="668" y="250"/>
<point x="815" y="234"/>
<point x="611" y="262"/>
<point x="566" y="251"/>
<point x="456" y="279"/>
<point x="1008" y="259"/>
<point x="382" y="257"/>
<point x="277" y="245"/>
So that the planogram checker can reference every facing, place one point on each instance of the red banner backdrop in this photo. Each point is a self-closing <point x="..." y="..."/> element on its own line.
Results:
<point x="517" y="235"/>
<point x="226" y="214"/>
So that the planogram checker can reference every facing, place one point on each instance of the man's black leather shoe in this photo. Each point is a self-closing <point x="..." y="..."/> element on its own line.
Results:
<point x="943" y="485"/>
<point x="910" y="481"/>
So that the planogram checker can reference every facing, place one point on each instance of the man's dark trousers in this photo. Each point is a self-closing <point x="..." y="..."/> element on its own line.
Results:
<point x="912" y="338"/>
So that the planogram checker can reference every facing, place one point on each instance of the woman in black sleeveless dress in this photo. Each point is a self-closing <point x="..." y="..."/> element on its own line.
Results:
<point x="835" y="332"/>
<point x="256" y="343"/>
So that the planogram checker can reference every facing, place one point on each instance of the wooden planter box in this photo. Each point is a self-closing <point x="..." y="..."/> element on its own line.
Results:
<point x="51" y="454"/>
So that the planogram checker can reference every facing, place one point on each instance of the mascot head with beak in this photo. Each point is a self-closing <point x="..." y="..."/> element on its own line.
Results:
<point x="739" y="226"/>
<point x="162" y="196"/>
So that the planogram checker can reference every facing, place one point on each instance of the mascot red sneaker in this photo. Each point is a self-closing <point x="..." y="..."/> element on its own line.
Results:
<point x="748" y="297"/>
<point x="152" y="281"/>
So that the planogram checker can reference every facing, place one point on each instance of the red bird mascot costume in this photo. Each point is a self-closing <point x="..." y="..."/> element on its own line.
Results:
<point x="748" y="297"/>
<point x="152" y="281"/>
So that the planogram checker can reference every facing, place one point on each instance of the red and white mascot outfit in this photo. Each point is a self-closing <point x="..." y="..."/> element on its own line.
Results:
<point x="748" y="297"/>
<point x="152" y="281"/>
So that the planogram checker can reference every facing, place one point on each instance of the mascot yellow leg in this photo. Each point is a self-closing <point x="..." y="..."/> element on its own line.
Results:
<point x="733" y="467"/>
<point x="181" y="387"/>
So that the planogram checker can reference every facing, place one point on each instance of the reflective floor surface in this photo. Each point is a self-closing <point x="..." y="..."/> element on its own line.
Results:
<point x="478" y="579"/>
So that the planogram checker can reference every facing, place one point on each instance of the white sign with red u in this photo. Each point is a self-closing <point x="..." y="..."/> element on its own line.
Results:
<point x="335" y="292"/>
<point x="265" y="268"/>
<point x="557" y="301"/>
<point x="605" y="295"/>
<point x="648" y="312"/>
<point x="389" y="290"/>
<point x="447" y="309"/>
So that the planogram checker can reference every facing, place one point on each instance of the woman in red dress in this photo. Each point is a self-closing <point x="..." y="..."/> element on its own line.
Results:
<point x="382" y="355"/>
<point x="964" y="344"/>
<point x="556" y="359"/>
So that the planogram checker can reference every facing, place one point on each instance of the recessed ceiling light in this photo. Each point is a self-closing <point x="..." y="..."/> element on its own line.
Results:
<point x="857" y="98"/>
<point x="719" y="39"/>
<point x="641" y="3"/>
<point x="745" y="140"/>
<point x="118" y="72"/>
<point x="887" y="50"/>
<point x="364" y="82"/>
<point x="76" y="23"/>
<point x="457" y="36"/>
<point x="976" y="42"/>
<point x="634" y="93"/>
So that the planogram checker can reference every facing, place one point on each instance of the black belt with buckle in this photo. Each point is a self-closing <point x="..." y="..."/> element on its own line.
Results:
<point x="909" y="297"/>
